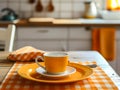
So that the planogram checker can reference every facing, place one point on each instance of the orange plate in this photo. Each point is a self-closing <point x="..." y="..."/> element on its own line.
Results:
<point x="29" y="72"/>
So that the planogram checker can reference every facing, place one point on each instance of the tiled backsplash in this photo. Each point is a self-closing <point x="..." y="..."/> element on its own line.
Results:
<point x="63" y="8"/>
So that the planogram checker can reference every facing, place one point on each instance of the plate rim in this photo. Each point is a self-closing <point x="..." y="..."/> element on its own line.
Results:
<point x="75" y="65"/>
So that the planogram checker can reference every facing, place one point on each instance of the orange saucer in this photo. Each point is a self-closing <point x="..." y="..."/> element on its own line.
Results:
<point x="29" y="72"/>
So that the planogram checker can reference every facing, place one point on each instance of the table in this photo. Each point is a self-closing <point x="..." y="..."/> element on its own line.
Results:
<point x="83" y="56"/>
<point x="78" y="56"/>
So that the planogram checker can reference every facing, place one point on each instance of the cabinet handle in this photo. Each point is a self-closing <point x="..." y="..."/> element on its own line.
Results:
<point x="42" y="31"/>
<point x="88" y="28"/>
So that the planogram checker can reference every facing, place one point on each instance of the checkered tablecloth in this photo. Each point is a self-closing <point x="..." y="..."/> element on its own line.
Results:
<point x="97" y="81"/>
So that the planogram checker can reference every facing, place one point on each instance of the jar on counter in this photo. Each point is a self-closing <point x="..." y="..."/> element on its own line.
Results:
<point x="90" y="10"/>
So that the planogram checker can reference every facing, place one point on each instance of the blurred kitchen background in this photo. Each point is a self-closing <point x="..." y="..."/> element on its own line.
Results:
<point x="57" y="35"/>
<point x="62" y="8"/>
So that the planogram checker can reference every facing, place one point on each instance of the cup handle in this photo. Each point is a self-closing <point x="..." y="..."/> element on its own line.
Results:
<point x="36" y="60"/>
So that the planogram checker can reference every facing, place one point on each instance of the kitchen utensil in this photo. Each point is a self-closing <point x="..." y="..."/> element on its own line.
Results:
<point x="55" y="62"/>
<point x="90" y="10"/>
<point x="69" y="71"/>
<point x="91" y="65"/>
<point x="10" y="16"/>
<point x="28" y="71"/>
<point x="39" y="6"/>
<point x="50" y="7"/>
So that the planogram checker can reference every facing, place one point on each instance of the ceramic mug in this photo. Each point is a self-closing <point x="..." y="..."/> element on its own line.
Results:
<point x="55" y="62"/>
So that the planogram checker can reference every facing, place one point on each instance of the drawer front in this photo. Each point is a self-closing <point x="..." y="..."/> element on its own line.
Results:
<point x="52" y="45"/>
<point x="42" y="33"/>
<point x="79" y="33"/>
<point x="79" y="45"/>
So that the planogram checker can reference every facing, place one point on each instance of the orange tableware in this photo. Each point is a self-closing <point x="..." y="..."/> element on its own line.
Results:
<point x="29" y="72"/>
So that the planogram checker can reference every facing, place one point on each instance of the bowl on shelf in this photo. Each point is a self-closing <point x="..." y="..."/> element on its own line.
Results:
<point x="110" y="15"/>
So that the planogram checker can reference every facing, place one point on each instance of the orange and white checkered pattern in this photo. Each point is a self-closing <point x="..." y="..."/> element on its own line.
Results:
<point x="26" y="53"/>
<point x="97" y="81"/>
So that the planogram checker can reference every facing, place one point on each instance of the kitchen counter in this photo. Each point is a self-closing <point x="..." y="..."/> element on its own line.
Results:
<point x="65" y="22"/>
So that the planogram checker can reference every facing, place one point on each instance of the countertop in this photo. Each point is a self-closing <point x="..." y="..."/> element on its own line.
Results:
<point x="63" y="22"/>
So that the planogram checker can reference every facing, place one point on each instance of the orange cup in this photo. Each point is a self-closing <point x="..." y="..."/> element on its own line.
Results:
<point x="55" y="62"/>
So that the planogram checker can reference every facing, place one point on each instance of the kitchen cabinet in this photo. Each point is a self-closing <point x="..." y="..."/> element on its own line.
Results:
<point x="42" y="33"/>
<point x="45" y="38"/>
<point x="54" y="38"/>
<point x="79" y="38"/>
<point x="48" y="45"/>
